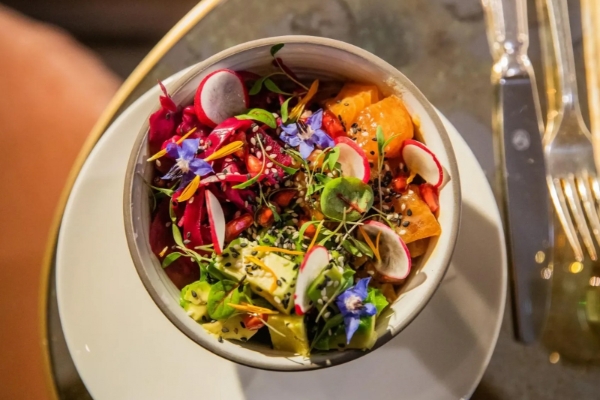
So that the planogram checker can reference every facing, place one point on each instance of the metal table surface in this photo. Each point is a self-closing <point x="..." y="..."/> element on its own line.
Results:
<point x="441" y="46"/>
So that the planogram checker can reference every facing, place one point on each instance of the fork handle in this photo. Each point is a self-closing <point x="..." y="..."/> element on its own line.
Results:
<point x="562" y="43"/>
<point x="508" y="36"/>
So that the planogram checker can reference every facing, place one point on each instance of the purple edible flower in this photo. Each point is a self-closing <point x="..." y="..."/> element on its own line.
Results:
<point x="307" y="135"/>
<point x="351" y="305"/>
<point x="186" y="164"/>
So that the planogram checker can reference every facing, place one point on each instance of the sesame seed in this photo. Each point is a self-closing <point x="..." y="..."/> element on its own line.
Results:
<point x="365" y="134"/>
<point x="253" y="140"/>
<point x="325" y="298"/>
<point x="158" y="163"/>
<point x="409" y="212"/>
<point x="324" y="292"/>
<point x="269" y="164"/>
<point x="274" y="170"/>
<point x="402" y="231"/>
<point x="277" y="299"/>
<point x="320" y="301"/>
<point x="405" y="224"/>
<point x="255" y="129"/>
<point x="327" y="315"/>
<point x="191" y="200"/>
<point x="403" y="207"/>
<point x="168" y="224"/>
<point x="272" y="155"/>
<point x="410" y="192"/>
<point x="269" y="148"/>
<point x="259" y="154"/>
<point x="329" y="283"/>
<point x="371" y="272"/>
<point x="268" y="274"/>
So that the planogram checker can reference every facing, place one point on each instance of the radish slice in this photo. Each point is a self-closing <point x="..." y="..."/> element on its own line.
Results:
<point x="353" y="159"/>
<point x="216" y="218"/>
<point x="315" y="261"/>
<point x="419" y="159"/>
<point x="395" y="261"/>
<point x="221" y="95"/>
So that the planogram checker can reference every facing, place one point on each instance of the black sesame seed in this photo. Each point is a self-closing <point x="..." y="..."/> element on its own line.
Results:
<point x="409" y="212"/>
<point x="374" y="139"/>
<point x="278" y="282"/>
<point x="254" y="267"/>
<point x="258" y="289"/>
<point x="283" y="279"/>
<point x="342" y="345"/>
<point x="244" y="339"/>
<point x="194" y="294"/>
<point x="296" y="267"/>
<point x="225" y="254"/>
<point x="267" y="240"/>
<point x="228" y="264"/>
<point x="224" y="330"/>
<point x="405" y="224"/>
<point x="220" y="339"/>
<point x="372" y="153"/>
<point x="254" y="253"/>
<point x="244" y="244"/>
<point x="235" y="254"/>
<point x="242" y="325"/>
<point x="236" y="330"/>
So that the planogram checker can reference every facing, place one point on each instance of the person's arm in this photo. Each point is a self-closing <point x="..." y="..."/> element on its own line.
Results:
<point x="52" y="90"/>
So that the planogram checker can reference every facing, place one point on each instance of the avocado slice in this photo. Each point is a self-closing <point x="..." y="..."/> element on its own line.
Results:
<point x="233" y="264"/>
<point x="231" y="328"/>
<point x="363" y="339"/>
<point x="290" y="335"/>
<point x="194" y="299"/>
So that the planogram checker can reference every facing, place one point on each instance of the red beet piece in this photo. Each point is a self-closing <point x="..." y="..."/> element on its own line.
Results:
<point x="182" y="271"/>
<point x="189" y="120"/>
<point x="163" y="122"/>
<point x="193" y="216"/>
<point x="222" y="132"/>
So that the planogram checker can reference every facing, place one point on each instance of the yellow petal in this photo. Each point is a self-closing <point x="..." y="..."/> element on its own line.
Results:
<point x="264" y="266"/>
<point x="370" y="243"/>
<point x="299" y="109"/>
<point x="278" y="250"/>
<point x="190" y="189"/>
<point x="252" y="309"/>
<point x="226" y="150"/>
<point x="164" y="151"/>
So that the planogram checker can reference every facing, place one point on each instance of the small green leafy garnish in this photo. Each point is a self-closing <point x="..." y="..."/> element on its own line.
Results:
<point x="380" y="140"/>
<point x="272" y="86"/>
<point x="177" y="235"/>
<point x="170" y="259"/>
<point x="331" y="323"/>
<point x="331" y="158"/>
<point x="376" y="297"/>
<point x="258" y="114"/>
<point x="221" y="294"/>
<point x="285" y="110"/>
<point x="346" y="195"/>
<point x="276" y="48"/>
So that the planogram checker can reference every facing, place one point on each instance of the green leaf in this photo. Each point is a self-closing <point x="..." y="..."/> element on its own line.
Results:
<point x="170" y="259"/>
<point x="255" y="89"/>
<point x="376" y="297"/>
<point x="332" y="158"/>
<point x="331" y="323"/>
<point x="276" y="215"/>
<point x="346" y="193"/>
<point x="311" y="189"/>
<point x="276" y="48"/>
<point x="177" y="235"/>
<point x="222" y="293"/>
<point x="284" y="110"/>
<point x="272" y="86"/>
<point x="258" y="114"/>
<point x="347" y="279"/>
<point x="168" y="192"/>
<point x="322" y="178"/>
<point x="362" y="247"/>
<point x="380" y="140"/>
<point x="172" y="213"/>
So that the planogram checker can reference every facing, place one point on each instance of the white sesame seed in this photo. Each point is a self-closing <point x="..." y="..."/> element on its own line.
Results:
<point x="329" y="174"/>
<point x="396" y="215"/>
<point x="277" y="300"/>
<point x="295" y="220"/>
<point x="274" y="170"/>
<point x="327" y="315"/>
<point x="272" y="155"/>
<point x="328" y="362"/>
<point x="255" y="129"/>
<point x="403" y="207"/>
<point x="365" y="134"/>
<point x="259" y="154"/>
<point x="299" y="200"/>
<point x="329" y="283"/>
<point x="275" y="115"/>
<point x="320" y="302"/>
<point x="336" y="284"/>
<point x="158" y="163"/>
<point x="371" y="272"/>
<point x="191" y="200"/>
<point x="325" y="298"/>
<point x="253" y="141"/>
<point x="269" y="165"/>
<point x="269" y="148"/>
<point x="387" y="167"/>
<point x="168" y="224"/>
<point x="410" y="192"/>
<point x="402" y="231"/>
<point x="324" y="292"/>
<point x="268" y="275"/>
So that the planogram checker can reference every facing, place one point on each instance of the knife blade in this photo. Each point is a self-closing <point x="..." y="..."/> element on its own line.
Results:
<point x="520" y="167"/>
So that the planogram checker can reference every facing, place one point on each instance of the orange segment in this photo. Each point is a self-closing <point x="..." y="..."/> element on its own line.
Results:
<point x="389" y="113"/>
<point x="417" y="221"/>
<point x="351" y="100"/>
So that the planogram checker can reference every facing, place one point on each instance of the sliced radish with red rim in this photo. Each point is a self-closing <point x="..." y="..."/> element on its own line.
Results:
<point x="216" y="219"/>
<point x="395" y="263"/>
<point x="315" y="261"/>
<point x="421" y="160"/>
<point x="221" y="94"/>
<point x="353" y="159"/>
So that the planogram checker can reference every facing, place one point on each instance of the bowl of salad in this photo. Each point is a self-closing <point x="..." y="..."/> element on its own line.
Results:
<point x="292" y="203"/>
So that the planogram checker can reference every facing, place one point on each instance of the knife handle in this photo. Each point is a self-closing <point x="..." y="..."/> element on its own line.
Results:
<point x="508" y="36"/>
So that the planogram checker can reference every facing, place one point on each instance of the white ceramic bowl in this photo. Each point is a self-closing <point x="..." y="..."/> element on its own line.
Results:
<point x="312" y="57"/>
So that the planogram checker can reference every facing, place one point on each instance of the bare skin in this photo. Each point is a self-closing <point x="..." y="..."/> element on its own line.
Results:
<point x="53" y="90"/>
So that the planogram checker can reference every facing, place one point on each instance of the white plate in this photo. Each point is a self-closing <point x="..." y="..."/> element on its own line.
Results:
<point x="125" y="348"/>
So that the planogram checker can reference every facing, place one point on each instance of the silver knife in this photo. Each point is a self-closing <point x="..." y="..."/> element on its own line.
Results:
<point x="520" y="168"/>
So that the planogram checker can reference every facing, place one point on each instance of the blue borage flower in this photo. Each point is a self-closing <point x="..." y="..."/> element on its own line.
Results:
<point x="187" y="166"/>
<point x="351" y="305"/>
<point x="307" y="135"/>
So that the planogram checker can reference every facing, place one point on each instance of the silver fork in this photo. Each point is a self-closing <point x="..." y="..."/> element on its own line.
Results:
<point x="571" y="177"/>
